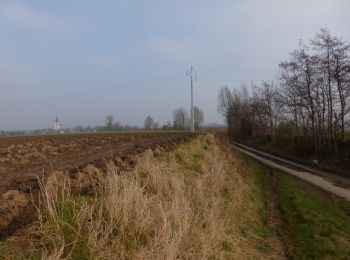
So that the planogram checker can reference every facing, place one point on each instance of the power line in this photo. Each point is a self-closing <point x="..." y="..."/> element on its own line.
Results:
<point x="228" y="70"/>
<point x="131" y="84"/>
<point x="79" y="98"/>
<point x="233" y="80"/>
<point x="142" y="85"/>
<point x="237" y="72"/>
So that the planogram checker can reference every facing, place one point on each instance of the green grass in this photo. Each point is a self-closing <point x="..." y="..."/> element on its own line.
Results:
<point x="317" y="226"/>
<point x="3" y="251"/>
<point x="66" y="218"/>
<point x="193" y="162"/>
<point x="67" y="214"/>
<point x="261" y="226"/>
<point x="313" y="225"/>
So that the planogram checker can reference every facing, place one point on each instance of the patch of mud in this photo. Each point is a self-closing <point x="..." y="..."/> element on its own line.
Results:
<point x="16" y="210"/>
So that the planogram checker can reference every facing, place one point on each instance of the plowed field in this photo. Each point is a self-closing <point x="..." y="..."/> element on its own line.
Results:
<point x="24" y="159"/>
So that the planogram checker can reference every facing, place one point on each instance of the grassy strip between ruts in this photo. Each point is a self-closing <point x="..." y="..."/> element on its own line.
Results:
<point x="314" y="225"/>
<point x="199" y="201"/>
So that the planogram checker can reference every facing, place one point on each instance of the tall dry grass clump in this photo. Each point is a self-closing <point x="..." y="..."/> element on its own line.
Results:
<point x="164" y="209"/>
<point x="184" y="204"/>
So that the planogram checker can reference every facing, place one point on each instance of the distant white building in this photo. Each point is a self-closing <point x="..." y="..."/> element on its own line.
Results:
<point x="57" y="125"/>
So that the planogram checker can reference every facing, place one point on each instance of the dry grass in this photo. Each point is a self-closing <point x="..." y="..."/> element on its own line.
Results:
<point x="192" y="203"/>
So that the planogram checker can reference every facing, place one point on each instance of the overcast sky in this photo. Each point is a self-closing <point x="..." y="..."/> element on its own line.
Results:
<point x="82" y="60"/>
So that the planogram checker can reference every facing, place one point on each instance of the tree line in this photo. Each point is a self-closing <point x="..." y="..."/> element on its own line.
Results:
<point x="181" y="121"/>
<point x="307" y="106"/>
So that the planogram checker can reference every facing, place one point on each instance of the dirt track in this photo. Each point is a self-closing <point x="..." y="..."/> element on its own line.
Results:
<point x="336" y="185"/>
<point x="23" y="159"/>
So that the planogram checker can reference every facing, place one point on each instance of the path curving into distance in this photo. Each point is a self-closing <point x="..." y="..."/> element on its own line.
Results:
<point x="334" y="184"/>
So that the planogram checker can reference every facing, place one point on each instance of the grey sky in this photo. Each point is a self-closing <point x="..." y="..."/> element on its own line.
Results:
<point x="82" y="60"/>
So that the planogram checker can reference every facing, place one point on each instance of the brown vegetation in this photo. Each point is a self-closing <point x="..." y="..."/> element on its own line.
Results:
<point x="76" y="156"/>
<point x="197" y="202"/>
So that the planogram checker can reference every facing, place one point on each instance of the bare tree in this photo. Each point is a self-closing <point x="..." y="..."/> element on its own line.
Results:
<point x="310" y="103"/>
<point x="198" y="118"/>
<point x="117" y="126"/>
<point x="109" y="123"/>
<point x="155" y="126"/>
<point x="225" y="106"/>
<point x="236" y="107"/>
<point x="149" y="123"/>
<point x="324" y="43"/>
<point x="225" y="102"/>
<point x="341" y="72"/>
<point x="181" y="118"/>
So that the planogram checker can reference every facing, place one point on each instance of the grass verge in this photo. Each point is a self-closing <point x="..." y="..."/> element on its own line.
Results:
<point x="314" y="225"/>
<point x="196" y="202"/>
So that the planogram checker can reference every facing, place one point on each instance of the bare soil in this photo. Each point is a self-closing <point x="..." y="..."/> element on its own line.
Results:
<point x="24" y="159"/>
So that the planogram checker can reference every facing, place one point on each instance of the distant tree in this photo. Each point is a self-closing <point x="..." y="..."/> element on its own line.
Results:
<point x="180" y="118"/>
<point x="236" y="107"/>
<point x="226" y="105"/>
<point x="149" y="123"/>
<point x="167" y="126"/>
<point x="78" y="128"/>
<point x="198" y="118"/>
<point x="109" y="123"/>
<point x="155" y="126"/>
<point x="117" y="126"/>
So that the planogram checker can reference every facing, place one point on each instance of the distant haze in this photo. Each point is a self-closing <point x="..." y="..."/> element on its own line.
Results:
<point x="82" y="60"/>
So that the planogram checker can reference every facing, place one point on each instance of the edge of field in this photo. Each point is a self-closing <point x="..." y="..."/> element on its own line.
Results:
<point x="20" y="189"/>
<point x="200" y="201"/>
<point x="126" y="132"/>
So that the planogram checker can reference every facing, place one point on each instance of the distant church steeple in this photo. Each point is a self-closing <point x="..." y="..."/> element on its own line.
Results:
<point x="57" y="125"/>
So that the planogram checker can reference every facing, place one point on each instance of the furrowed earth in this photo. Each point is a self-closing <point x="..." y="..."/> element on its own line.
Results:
<point x="26" y="160"/>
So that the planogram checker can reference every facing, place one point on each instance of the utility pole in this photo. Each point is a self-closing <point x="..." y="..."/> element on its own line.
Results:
<point x="191" y="73"/>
